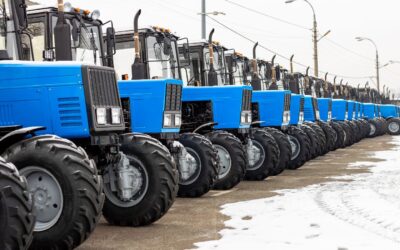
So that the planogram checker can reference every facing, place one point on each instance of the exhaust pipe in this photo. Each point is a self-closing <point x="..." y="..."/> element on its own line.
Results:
<point x="62" y="36"/>
<point x="212" y="74"/>
<point x="255" y="79"/>
<point x="138" y="67"/>
<point x="291" y="64"/>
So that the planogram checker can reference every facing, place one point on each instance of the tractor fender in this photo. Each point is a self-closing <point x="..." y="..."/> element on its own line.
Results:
<point x="16" y="136"/>
<point x="389" y="117"/>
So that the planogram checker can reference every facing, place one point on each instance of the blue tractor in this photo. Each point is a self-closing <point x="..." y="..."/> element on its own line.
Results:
<point x="224" y="113"/>
<point x="58" y="178"/>
<point x="271" y="108"/>
<point x="81" y="101"/>
<point x="150" y="58"/>
<point x="390" y="113"/>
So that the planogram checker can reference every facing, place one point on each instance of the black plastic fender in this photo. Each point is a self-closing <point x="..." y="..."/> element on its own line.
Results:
<point x="16" y="136"/>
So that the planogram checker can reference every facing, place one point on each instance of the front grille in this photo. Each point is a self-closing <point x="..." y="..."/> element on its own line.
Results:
<point x="101" y="91"/>
<point x="126" y="110"/>
<point x="173" y="97"/>
<point x="302" y="104"/>
<point x="330" y="105"/>
<point x="246" y="100"/>
<point x="255" y="111"/>
<point x="287" y="102"/>
<point x="347" y="106"/>
<point x="315" y="104"/>
<point x="103" y="85"/>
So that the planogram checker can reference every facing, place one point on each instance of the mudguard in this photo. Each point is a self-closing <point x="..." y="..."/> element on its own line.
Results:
<point x="16" y="136"/>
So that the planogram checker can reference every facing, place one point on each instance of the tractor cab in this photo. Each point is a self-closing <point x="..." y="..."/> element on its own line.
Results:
<point x="311" y="109"/>
<point x="323" y="93"/>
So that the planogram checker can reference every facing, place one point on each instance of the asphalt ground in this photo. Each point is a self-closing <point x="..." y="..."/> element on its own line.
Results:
<point x="194" y="220"/>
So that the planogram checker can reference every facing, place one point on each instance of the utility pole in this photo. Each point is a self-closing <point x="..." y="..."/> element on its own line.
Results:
<point x="315" y="40"/>
<point x="203" y="19"/>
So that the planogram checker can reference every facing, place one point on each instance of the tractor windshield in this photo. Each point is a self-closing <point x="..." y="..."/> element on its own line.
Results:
<point x="162" y="58"/>
<point x="238" y="73"/>
<point x="86" y="35"/>
<point x="219" y="64"/>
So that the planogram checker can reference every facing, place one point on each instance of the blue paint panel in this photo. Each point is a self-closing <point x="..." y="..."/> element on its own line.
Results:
<point x="368" y="110"/>
<point x="309" y="114"/>
<point x="323" y="106"/>
<point x="44" y="94"/>
<point x="147" y="104"/>
<point x="358" y="110"/>
<point x="388" y="111"/>
<point x="294" y="109"/>
<point x="271" y="106"/>
<point x="226" y="101"/>
<point x="339" y="109"/>
<point x="351" y="110"/>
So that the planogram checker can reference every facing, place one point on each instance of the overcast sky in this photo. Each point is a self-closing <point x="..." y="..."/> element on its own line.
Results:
<point x="339" y="52"/>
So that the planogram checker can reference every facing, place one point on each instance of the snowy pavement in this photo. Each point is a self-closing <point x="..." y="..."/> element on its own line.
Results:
<point x="355" y="212"/>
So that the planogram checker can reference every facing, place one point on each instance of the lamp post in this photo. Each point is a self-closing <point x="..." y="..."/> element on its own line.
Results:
<point x="360" y="39"/>
<point x="203" y="18"/>
<point x="315" y="36"/>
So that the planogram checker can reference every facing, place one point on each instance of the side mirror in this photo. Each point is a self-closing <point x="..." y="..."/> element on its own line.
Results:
<point x="167" y="46"/>
<point x="20" y="12"/>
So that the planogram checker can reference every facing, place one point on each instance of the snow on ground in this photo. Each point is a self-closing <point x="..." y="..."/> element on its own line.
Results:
<point x="361" y="214"/>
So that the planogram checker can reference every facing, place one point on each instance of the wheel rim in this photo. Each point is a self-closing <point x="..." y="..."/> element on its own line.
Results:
<point x="295" y="146"/>
<point x="141" y="184"/>
<point x="225" y="161"/>
<point x="394" y="127"/>
<point x="372" y="130"/>
<point x="259" y="157"/>
<point x="197" y="165"/>
<point x="47" y="195"/>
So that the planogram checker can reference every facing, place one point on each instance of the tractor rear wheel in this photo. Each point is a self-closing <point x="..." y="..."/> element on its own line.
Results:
<point x="16" y="209"/>
<point x="300" y="146"/>
<point x="285" y="150"/>
<point x="348" y="132"/>
<point x="314" y="143"/>
<point x="206" y="157"/>
<point x="393" y="126"/>
<point x="67" y="191"/>
<point x="232" y="159"/>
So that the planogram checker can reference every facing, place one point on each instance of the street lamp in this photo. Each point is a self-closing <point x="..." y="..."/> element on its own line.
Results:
<point x="315" y="36"/>
<point x="389" y="63"/>
<point x="203" y="17"/>
<point x="360" y="39"/>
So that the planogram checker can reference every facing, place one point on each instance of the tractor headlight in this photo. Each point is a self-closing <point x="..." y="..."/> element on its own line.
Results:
<point x="116" y="116"/>
<point x="301" y="117"/>
<point x="346" y="115"/>
<point x="178" y="120"/>
<point x="329" y="116"/>
<point x="245" y="117"/>
<point x="286" y="117"/>
<point x="167" y="120"/>
<point x="101" y="116"/>
<point x="317" y="116"/>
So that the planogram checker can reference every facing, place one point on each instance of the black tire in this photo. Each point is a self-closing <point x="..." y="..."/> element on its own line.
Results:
<point x="301" y="140"/>
<point x="204" y="152"/>
<point x="78" y="180"/>
<point x="348" y="132"/>
<point x="353" y="131"/>
<point x="393" y="126"/>
<point x="341" y="135"/>
<point x="383" y="127"/>
<point x="366" y="128"/>
<point x="233" y="146"/>
<point x="285" y="150"/>
<point x="16" y="209"/>
<point x="374" y="128"/>
<point x="330" y="135"/>
<point x="154" y="158"/>
<point x="321" y="150"/>
<point x="266" y="166"/>
<point x="359" y="130"/>
<point x="314" y="143"/>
